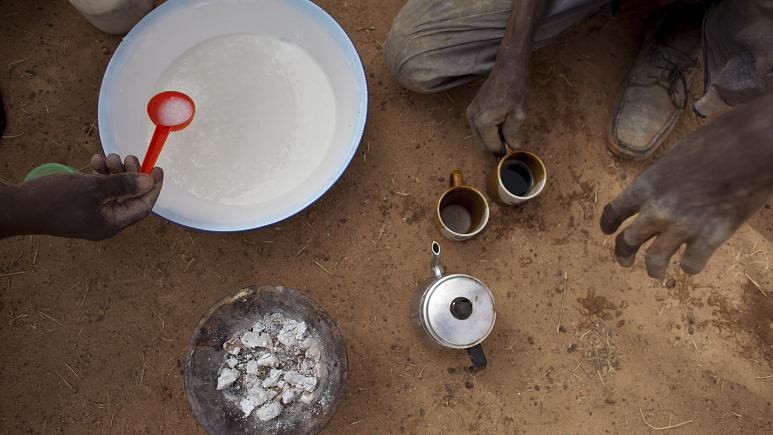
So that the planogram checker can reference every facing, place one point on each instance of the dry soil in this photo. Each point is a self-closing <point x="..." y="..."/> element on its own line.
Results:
<point x="94" y="335"/>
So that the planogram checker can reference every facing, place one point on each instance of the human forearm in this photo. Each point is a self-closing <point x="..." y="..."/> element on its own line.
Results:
<point x="82" y="206"/>
<point x="518" y="41"/>
<point x="498" y="109"/>
<point x="33" y="208"/>
<point x="735" y="151"/>
<point x="9" y="219"/>
<point x="699" y="192"/>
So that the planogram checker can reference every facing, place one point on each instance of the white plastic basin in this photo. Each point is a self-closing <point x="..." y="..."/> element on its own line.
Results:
<point x="281" y="102"/>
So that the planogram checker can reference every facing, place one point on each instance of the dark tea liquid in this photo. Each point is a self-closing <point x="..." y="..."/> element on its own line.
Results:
<point x="516" y="177"/>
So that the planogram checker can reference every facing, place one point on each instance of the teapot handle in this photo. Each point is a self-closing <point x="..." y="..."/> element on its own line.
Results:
<point x="478" y="358"/>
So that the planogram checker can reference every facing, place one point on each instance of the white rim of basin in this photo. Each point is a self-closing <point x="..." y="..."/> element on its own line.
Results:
<point x="131" y="49"/>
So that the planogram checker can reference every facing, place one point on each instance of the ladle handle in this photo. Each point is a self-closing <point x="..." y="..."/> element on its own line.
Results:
<point x="478" y="358"/>
<point x="154" y="148"/>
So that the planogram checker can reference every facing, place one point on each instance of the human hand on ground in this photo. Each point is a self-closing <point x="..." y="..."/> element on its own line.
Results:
<point x="92" y="207"/>
<point x="498" y="109"/>
<point x="699" y="193"/>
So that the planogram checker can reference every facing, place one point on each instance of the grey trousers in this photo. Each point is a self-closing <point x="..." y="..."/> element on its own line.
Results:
<point x="435" y="45"/>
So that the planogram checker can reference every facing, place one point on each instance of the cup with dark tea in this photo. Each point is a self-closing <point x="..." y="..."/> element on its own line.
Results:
<point x="462" y="211"/>
<point x="519" y="177"/>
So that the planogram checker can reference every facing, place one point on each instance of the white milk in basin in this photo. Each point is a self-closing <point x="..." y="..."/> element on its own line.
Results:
<point x="265" y="117"/>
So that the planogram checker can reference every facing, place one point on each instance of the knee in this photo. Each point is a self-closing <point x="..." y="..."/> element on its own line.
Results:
<point x="407" y="62"/>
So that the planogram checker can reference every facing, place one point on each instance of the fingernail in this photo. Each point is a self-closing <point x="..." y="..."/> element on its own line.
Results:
<point x="609" y="220"/>
<point x="625" y="261"/>
<point x="623" y="249"/>
<point x="144" y="182"/>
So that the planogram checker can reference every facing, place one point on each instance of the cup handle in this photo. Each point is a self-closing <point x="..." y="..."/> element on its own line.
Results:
<point x="478" y="358"/>
<point x="457" y="179"/>
<point x="508" y="149"/>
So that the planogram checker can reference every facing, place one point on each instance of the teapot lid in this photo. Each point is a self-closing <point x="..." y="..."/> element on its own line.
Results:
<point x="458" y="311"/>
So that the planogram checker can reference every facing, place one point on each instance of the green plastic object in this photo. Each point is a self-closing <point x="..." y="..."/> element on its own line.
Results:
<point x="49" y="169"/>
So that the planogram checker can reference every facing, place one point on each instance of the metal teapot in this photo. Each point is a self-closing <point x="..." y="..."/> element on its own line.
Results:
<point x="455" y="311"/>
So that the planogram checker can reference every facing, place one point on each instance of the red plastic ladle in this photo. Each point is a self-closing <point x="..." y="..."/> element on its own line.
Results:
<point x="170" y="111"/>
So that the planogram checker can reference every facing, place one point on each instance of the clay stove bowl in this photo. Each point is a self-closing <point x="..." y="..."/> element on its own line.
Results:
<point x="238" y="312"/>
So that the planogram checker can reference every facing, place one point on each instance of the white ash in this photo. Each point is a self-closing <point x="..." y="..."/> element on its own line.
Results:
<point x="233" y="346"/>
<point x="227" y="378"/>
<point x="269" y="411"/>
<point x="272" y="379"/>
<point x="298" y="380"/>
<point x="253" y="339"/>
<point x="273" y="364"/>
<point x="267" y="359"/>
<point x="251" y="367"/>
<point x="307" y="397"/>
<point x="288" y="396"/>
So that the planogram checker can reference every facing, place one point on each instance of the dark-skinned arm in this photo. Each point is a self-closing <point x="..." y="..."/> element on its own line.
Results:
<point x="500" y="105"/>
<point x="85" y="206"/>
<point x="698" y="193"/>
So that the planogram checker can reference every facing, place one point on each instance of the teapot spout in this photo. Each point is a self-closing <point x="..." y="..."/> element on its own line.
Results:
<point x="436" y="267"/>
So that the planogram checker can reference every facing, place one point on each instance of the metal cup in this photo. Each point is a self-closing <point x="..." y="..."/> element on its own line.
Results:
<point x="462" y="211"/>
<point x="518" y="177"/>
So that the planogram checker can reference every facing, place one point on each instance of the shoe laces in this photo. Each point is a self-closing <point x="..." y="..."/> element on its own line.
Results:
<point x="669" y="72"/>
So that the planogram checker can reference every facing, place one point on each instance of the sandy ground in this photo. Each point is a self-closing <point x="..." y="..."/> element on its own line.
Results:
<point x="94" y="335"/>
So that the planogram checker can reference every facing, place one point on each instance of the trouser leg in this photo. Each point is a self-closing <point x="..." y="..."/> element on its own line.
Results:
<point x="435" y="45"/>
